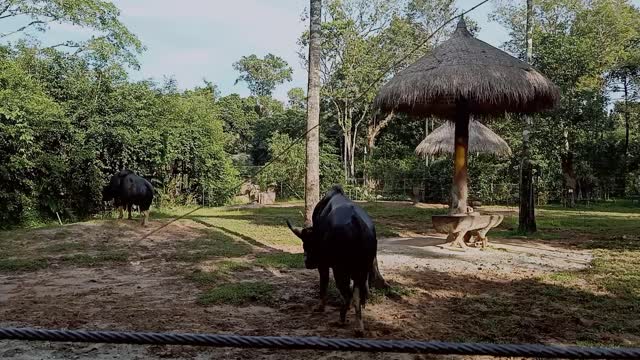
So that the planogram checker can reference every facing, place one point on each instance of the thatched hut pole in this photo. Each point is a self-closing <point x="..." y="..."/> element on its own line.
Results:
<point x="460" y="190"/>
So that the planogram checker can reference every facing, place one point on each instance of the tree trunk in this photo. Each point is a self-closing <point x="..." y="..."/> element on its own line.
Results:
<point x="426" y="133"/>
<point x="312" y="180"/>
<point x="625" y="165"/>
<point x="460" y="191"/>
<point x="527" y="218"/>
<point x="626" y="118"/>
<point x="347" y="152"/>
<point x="374" y="128"/>
<point x="568" y="172"/>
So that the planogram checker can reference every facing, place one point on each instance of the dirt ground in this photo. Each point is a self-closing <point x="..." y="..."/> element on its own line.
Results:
<point x="150" y="291"/>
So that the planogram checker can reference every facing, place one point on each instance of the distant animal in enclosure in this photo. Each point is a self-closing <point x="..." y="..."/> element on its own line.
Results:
<point x="342" y="238"/>
<point x="127" y="189"/>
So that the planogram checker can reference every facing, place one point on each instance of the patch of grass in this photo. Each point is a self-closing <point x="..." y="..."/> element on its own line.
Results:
<point x="95" y="260"/>
<point x="254" y="228"/>
<point x="618" y="272"/>
<point x="562" y="277"/>
<point x="240" y="293"/>
<point x="61" y="247"/>
<point x="281" y="260"/>
<point x="13" y="265"/>
<point x="395" y="292"/>
<point x="223" y="269"/>
<point x="206" y="277"/>
<point x="230" y="266"/>
<point x="383" y="231"/>
<point x="215" y="244"/>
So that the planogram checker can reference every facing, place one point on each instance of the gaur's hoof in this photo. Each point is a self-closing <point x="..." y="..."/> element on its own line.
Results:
<point x="359" y="332"/>
<point x="339" y="324"/>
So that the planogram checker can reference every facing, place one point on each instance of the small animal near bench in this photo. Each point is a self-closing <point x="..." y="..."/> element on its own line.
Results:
<point x="461" y="228"/>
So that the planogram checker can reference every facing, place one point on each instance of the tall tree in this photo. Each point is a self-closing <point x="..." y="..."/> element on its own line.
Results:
<point x="312" y="183"/>
<point x="297" y="99"/>
<point x="262" y="75"/>
<point x="527" y="218"/>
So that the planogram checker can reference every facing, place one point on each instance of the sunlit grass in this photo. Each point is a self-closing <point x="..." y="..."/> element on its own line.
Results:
<point x="240" y="293"/>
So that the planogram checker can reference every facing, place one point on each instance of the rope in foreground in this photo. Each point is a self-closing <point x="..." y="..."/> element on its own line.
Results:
<point x="317" y="343"/>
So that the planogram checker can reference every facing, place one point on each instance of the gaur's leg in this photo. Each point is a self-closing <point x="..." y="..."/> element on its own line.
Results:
<point x="343" y="283"/>
<point x="358" y="306"/>
<point x="129" y="210"/>
<point x="121" y="211"/>
<point x="360" y="293"/>
<point x="145" y="217"/>
<point x="324" y="284"/>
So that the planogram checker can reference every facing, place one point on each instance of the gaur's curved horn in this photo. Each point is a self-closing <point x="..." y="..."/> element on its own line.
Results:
<point x="295" y="230"/>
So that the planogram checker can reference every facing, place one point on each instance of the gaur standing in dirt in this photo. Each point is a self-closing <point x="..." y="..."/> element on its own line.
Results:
<point x="342" y="238"/>
<point x="128" y="189"/>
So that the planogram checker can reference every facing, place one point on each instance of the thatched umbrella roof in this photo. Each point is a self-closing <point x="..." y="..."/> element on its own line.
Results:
<point x="481" y="140"/>
<point x="463" y="67"/>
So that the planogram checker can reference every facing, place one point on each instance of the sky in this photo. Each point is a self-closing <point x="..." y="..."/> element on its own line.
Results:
<point x="201" y="39"/>
<point x="193" y="40"/>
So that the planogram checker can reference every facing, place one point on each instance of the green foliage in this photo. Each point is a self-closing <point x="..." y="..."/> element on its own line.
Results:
<point x="30" y="122"/>
<point x="61" y="116"/>
<point x="239" y="118"/>
<point x="263" y="75"/>
<point x="288" y="172"/>
<point x="111" y="41"/>
<point x="584" y="47"/>
<point x="297" y="99"/>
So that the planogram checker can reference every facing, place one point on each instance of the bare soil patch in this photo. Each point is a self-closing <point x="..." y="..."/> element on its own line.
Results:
<point x="495" y="295"/>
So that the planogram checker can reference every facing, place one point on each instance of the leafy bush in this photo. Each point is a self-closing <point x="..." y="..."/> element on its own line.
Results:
<point x="288" y="172"/>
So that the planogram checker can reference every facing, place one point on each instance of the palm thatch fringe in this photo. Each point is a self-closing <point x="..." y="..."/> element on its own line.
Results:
<point x="481" y="140"/>
<point x="464" y="68"/>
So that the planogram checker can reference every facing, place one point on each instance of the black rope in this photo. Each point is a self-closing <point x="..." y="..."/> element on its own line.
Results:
<point x="318" y="343"/>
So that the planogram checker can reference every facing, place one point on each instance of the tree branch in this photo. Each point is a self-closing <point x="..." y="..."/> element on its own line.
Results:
<point x="35" y="22"/>
<point x="375" y="129"/>
<point x="5" y="9"/>
<point x="70" y="44"/>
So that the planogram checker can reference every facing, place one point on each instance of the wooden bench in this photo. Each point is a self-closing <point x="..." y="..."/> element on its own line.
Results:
<point x="466" y="227"/>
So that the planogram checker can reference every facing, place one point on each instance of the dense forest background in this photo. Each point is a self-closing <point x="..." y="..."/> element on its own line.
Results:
<point x="70" y="116"/>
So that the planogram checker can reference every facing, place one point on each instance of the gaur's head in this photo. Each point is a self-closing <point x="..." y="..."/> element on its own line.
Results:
<point x="107" y="194"/>
<point x="309" y="244"/>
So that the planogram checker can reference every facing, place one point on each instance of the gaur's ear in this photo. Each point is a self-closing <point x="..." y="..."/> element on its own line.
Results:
<point x="295" y="230"/>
